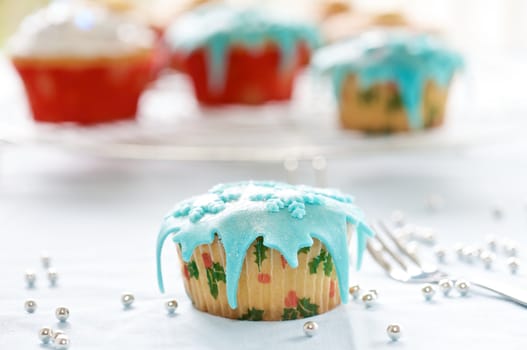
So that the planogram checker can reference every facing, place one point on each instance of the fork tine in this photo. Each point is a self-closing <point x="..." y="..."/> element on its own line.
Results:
<point x="398" y="244"/>
<point x="390" y="252"/>
<point x="377" y="256"/>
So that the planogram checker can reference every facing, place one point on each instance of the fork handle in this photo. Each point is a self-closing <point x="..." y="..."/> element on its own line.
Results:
<point x="512" y="294"/>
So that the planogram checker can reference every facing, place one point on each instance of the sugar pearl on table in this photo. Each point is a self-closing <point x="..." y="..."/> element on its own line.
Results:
<point x="62" y="313"/>
<point x="45" y="260"/>
<point x="492" y="243"/>
<point x="52" y="276"/>
<point x="30" y="306"/>
<point x="462" y="286"/>
<point x="30" y="277"/>
<point x="446" y="285"/>
<point x="487" y="258"/>
<point x="171" y="306"/>
<point x="368" y="299"/>
<point x="62" y="342"/>
<point x="428" y="291"/>
<point x="310" y="328"/>
<point x="440" y="254"/>
<point x="394" y="332"/>
<point x="354" y="291"/>
<point x="509" y="248"/>
<point x="458" y="248"/>
<point x="513" y="264"/>
<point x="127" y="299"/>
<point x="469" y="254"/>
<point x="45" y="334"/>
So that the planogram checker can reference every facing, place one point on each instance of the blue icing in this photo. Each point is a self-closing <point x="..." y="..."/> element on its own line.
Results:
<point x="218" y="27"/>
<point x="399" y="56"/>
<point x="286" y="216"/>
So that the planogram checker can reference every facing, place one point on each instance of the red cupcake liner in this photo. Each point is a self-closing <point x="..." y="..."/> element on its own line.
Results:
<point x="250" y="77"/>
<point x="85" y="92"/>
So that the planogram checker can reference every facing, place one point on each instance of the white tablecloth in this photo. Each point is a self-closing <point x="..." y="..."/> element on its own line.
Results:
<point x="98" y="219"/>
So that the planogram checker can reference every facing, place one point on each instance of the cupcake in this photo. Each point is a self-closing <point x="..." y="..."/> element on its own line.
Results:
<point x="82" y="63"/>
<point x="265" y="250"/>
<point x="239" y="55"/>
<point x="390" y="80"/>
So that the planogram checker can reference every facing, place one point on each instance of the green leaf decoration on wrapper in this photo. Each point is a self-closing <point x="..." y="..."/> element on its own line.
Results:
<point x="325" y="258"/>
<point x="304" y="250"/>
<point x="306" y="309"/>
<point x="289" y="314"/>
<point x="394" y="103"/>
<point x="253" y="314"/>
<point x="193" y="269"/>
<point x="368" y="95"/>
<point x="328" y="265"/>
<point x="260" y="252"/>
<point x="215" y="274"/>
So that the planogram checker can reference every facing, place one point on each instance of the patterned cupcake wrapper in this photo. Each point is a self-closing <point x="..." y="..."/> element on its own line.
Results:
<point x="268" y="288"/>
<point x="380" y="108"/>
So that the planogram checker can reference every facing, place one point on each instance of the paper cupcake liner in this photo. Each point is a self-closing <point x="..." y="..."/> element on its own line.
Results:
<point x="268" y="288"/>
<point x="380" y="108"/>
<point x="251" y="77"/>
<point x="82" y="91"/>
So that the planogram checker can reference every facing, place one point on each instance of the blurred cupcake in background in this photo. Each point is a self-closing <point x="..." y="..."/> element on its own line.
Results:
<point x="390" y="80"/>
<point x="240" y="55"/>
<point x="82" y="63"/>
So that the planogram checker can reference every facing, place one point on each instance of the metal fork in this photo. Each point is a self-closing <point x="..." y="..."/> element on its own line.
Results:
<point x="408" y="268"/>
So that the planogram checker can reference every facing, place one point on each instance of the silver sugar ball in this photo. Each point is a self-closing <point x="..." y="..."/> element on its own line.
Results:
<point x="310" y="328"/>
<point x="62" y="313"/>
<point x="45" y="260"/>
<point x="446" y="285"/>
<point x="513" y="264"/>
<point x="52" y="276"/>
<point x="171" y="306"/>
<point x="394" y="332"/>
<point x="354" y="291"/>
<point x="428" y="291"/>
<point x="458" y="248"/>
<point x="30" y="306"/>
<point x="427" y="236"/>
<point x="62" y="342"/>
<point x="397" y="218"/>
<point x="462" y="286"/>
<point x="56" y="333"/>
<point x="492" y="243"/>
<point x="30" y="277"/>
<point x="368" y="299"/>
<point x="45" y="335"/>
<point x="487" y="258"/>
<point x="127" y="299"/>
<point x="440" y="254"/>
<point x="469" y="254"/>
<point x="510" y="249"/>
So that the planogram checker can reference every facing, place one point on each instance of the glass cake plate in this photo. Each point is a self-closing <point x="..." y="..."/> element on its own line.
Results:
<point x="172" y="126"/>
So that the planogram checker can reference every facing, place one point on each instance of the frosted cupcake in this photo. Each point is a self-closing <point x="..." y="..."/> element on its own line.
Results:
<point x="81" y="63"/>
<point x="240" y="55"/>
<point x="264" y="250"/>
<point x="390" y="80"/>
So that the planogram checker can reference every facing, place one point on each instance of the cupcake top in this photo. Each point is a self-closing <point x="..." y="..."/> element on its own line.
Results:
<point x="218" y="27"/>
<point x="78" y="29"/>
<point x="408" y="59"/>
<point x="286" y="217"/>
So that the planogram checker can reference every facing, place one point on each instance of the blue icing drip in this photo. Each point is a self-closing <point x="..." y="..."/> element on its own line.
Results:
<point x="218" y="27"/>
<point x="311" y="213"/>
<point x="408" y="59"/>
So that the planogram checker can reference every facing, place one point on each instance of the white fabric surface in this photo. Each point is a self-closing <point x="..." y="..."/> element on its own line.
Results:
<point x="98" y="218"/>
